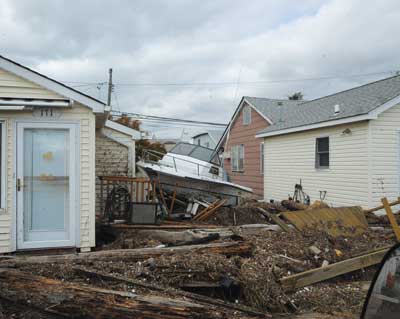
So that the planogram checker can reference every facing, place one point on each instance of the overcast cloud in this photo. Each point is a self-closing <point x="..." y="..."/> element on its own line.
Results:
<point x="184" y="41"/>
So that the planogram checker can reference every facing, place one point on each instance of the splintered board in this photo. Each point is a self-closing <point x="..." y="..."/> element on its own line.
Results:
<point x="342" y="221"/>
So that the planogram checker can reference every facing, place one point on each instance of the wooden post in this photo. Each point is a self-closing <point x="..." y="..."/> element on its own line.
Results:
<point x="172" y="202"/>
<point x="391" y="218"/>
<point x="102" y="198"/>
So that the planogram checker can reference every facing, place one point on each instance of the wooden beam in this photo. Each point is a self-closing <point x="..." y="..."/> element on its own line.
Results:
<point x="342" y="267"/>
<point x="276" y="219"/>
<point x="212" y="211"/>
<point x="371" y="210"/>
<point x="226" y="248"/>
<point x="391" y="218"/>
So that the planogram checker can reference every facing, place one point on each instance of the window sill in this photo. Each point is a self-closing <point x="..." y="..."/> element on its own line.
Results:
<point x="237" y="171"/>
<point x="322" y="169"/>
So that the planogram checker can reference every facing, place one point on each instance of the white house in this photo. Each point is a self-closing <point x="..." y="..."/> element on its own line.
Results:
<point x="344" y="147"/>
<point x="208" y="139"/>
<point x="47" y="161"/>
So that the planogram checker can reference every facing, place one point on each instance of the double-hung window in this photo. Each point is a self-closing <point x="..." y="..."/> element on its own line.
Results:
<point x="237" y="158"/>
<point x="322" y="152"/>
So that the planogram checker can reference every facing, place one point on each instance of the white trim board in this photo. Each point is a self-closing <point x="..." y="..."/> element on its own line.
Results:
<point x="233" y="119"/>
<point x="74" y="217"/>
<point x="3" y="155"/>
<point x="123" y="129"/>
<point x="50" y="84"/>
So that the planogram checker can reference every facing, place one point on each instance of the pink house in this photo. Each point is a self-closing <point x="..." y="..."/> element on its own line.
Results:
<point x="242" y="151"/>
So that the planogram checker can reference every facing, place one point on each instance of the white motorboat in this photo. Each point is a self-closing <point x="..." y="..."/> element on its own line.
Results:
<point x="192" y="171"/>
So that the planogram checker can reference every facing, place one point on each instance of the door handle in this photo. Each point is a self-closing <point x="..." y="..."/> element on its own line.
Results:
<point x="18" y="184"/>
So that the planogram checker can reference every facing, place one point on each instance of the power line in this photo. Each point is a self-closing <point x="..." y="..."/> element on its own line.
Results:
<point x="235" y="83"/>
<point x="164" y="119"/>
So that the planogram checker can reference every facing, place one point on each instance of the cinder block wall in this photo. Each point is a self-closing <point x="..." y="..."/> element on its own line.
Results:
<point x="112" y="159"/>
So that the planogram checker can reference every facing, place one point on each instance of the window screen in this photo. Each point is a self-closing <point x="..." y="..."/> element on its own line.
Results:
<point x="322" y="152"/>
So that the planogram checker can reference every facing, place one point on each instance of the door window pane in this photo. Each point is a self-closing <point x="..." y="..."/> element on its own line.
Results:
<point x="46" y="180"/>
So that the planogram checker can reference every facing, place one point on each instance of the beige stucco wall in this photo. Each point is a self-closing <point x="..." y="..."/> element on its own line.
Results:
<point x="85" y="120"/>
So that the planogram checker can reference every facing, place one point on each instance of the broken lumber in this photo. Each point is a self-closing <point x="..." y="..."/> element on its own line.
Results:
<point x="340" y="221"/>
<point x="293" y="205"/>
<point x="226" y="248"/>
<point x="275" y="218"/>
<point x="168" y="290"/>
<point x="79" y="301"/>
<point x="371" y="210"/>
<point x="212" y="211"/>
<point x="330" y="271"/>
<point x="392" y="219"/>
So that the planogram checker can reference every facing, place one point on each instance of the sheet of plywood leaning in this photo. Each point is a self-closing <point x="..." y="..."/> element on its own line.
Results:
<point x="346" y="221"/>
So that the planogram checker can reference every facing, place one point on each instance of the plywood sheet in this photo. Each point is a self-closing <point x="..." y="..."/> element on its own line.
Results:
<point x="346" y="221"/>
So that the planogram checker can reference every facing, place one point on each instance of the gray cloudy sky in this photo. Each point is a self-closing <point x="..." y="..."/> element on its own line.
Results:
<point x="217" y="42"/>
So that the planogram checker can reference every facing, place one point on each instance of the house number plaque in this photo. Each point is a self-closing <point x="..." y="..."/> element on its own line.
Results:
<point x="47" y="112"/>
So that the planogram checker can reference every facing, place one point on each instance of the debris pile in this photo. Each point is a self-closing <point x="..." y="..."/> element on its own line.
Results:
<point x="224" y="268"/>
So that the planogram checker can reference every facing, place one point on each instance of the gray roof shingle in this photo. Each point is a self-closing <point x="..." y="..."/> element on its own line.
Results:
<point x="356" y="101"/>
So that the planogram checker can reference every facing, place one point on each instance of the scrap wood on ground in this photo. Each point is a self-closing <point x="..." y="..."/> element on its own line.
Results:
<point x="237" y="274"/>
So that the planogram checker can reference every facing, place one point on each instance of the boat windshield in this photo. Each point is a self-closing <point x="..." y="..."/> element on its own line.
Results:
<point x="196" y="151"/>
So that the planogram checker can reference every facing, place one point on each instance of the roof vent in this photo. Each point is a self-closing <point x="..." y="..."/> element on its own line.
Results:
<point x="337" y="109"/>
<point x="280" y="103"/>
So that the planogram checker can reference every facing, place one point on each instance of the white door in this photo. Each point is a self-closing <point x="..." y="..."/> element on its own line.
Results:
<point x="46" y="190"/>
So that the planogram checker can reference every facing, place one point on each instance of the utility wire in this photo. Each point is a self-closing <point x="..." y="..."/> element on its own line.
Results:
<point x="236" y="83"/>
<point x="164" y="119"/>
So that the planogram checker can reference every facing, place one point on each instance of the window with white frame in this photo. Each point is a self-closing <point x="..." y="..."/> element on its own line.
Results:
<point x="237" y="158"/>
<point x="322" y="152"/>
<point x="246" y="115"/>
<point x="262" y="158"/>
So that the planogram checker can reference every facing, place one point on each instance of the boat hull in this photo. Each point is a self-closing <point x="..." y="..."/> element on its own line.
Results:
<point x="190" y="187"/>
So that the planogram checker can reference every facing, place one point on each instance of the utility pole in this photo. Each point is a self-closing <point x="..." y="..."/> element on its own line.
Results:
<point x="110" y="87"/>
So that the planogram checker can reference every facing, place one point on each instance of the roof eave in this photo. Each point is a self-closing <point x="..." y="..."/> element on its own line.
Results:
<point x="314" y="126"/>
<point x="52" y="85"/>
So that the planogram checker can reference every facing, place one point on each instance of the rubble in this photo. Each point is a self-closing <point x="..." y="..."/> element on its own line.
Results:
<point x="238" y="274"/>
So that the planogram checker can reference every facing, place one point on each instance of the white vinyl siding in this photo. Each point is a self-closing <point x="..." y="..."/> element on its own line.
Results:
<point x="237" y="158"/>
<point x="246" y="115"/>
<point x="290" y="158"/>
<point x="17" y="87"/>
<point x="384" y="155"/>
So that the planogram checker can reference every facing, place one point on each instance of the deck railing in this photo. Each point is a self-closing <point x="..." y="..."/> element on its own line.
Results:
<point x="118" y="192"/>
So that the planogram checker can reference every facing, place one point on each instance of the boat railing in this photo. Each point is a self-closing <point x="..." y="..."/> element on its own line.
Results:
<point x="155" y="156"/>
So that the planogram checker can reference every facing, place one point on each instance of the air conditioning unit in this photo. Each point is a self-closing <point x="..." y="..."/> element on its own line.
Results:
<point x="226" y="154"/>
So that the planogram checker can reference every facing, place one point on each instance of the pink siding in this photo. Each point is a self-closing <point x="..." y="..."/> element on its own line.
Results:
<point x="245" y="134"/>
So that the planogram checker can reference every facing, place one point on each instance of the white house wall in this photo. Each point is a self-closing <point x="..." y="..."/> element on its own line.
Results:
<point x="384" y="152"/>
<point x="17" y="87"/>
<point x="290" y="158"/>
<point x="86" y="120"/>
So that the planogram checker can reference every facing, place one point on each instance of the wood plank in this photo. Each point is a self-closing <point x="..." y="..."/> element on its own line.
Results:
<point x="323" y="273"/>
<point x="391" y="218"/>
<point x="224" y="248"/>
<point x="371" y="210"/>
<point x="276" y="220"/>
<point x="341" y="221"/>
<point x="212" y="211"/>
